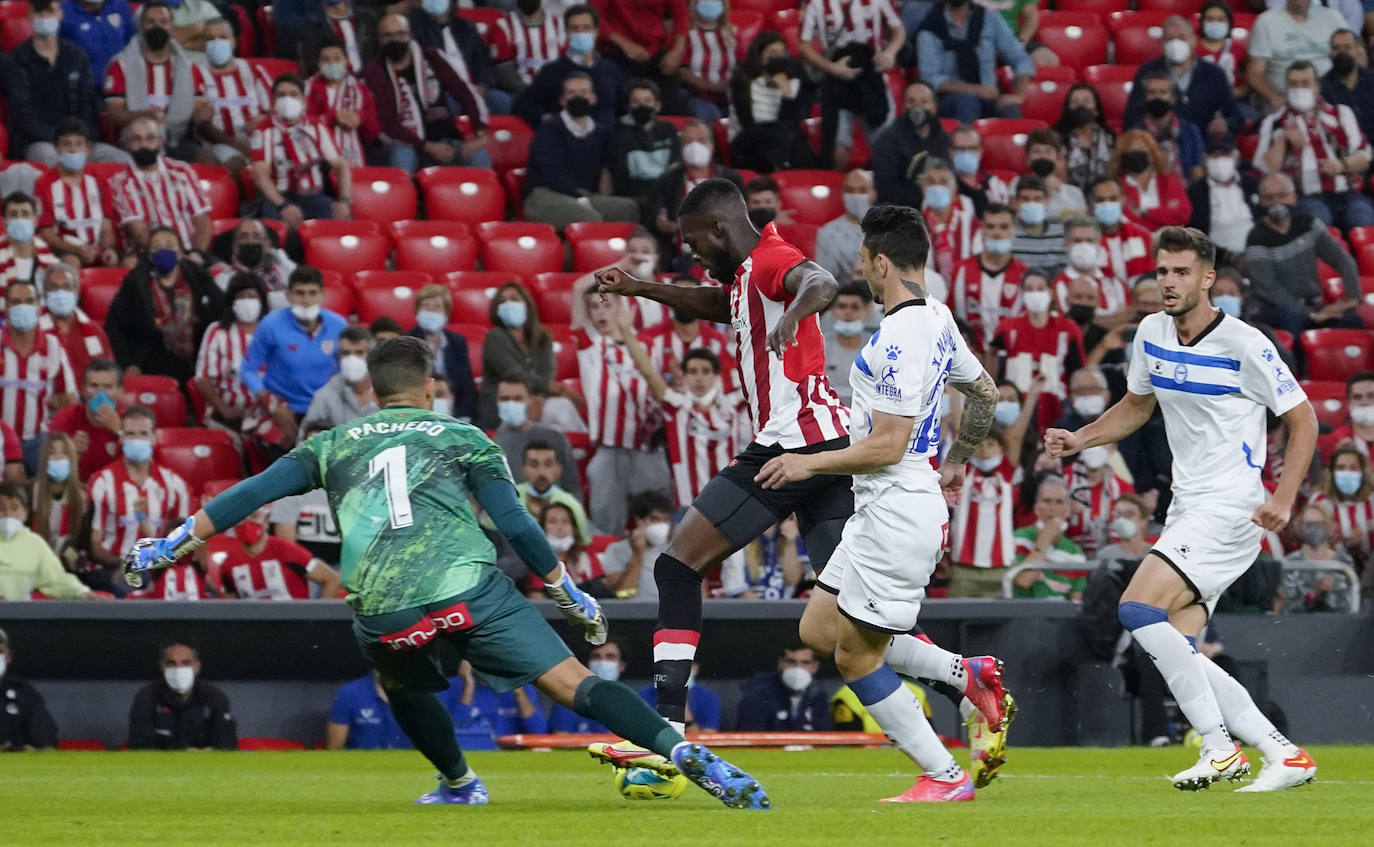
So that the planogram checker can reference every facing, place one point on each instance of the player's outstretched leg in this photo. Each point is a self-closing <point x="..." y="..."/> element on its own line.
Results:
<point x="676" y="636"/>
<point x="1286" y="765"/>
<point x="429" y="727"/>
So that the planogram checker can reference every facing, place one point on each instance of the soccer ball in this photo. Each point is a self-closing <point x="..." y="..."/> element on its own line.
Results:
<point x="644" y="784"/>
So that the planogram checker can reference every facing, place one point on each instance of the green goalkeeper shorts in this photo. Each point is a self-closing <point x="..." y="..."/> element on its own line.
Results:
<point x="492" y="625"/>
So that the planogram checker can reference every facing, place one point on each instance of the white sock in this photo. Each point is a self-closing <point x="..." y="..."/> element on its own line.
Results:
<point x="919" y="659"/>
<point x="679" y="726"/>
<point x="900" y="715"/>
<point x="463" y="780"/>
<point x="1243" y="718"/>
<point x="1175" y="659"/>
<point x="966" y="708"/>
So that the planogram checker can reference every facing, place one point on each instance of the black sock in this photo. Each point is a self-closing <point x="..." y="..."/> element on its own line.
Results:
<point x="621" y="710"/>
<point x="954" y="695"/>
<point x="679" y="630"/>
<point x="429" y="727"/>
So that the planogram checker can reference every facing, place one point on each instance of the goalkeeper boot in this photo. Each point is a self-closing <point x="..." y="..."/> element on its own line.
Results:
<point x="724" y="781"/>
<point x="1222" y="763"/>
<point x="623" y="754"/>
<point x="928" y="790"/>
<point x="988" y="748"/>
<point x="473" y="793"/>
<point x="1298" y="769"/>
<point x="984" y="689"/>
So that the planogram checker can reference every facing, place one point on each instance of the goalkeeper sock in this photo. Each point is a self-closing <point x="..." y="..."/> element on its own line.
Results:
<point x="918" y="657"/>
<point x="675" y="640"/>
<point x="429" y="727"/>
<point x="899" y="713"/>
<point x="621" y="710"/>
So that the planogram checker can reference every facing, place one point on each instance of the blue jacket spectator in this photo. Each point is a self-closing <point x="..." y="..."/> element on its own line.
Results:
<point x="788" y="699"/>
<point x="544" y="92"/>
<point x="958" y="49"/>
<point x="900" y="148"/>
<point x="41" y="94"/>
<point x="292" y="354"/>
<point x="703" y="707"/>
<point x="360" y="719"/>
<point x="1350" y="82"/>
<point x="565" y="720"/>
<point x="100" y="27"/>
<point x="1202" y="95"/>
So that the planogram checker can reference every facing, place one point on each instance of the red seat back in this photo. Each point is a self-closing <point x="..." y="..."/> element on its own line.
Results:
<point x="220" y="189"/>
<point x="1328" y="400"/>
<point x="345" y="246"/>
<point x="1335" y="354"/>
<point x="1004" y="141"/>
<point x="435" y="247"/>
<point x="814" y="197"/>
<point x="596" y="245"/>
<point x="525" y="248"/>
<point x="98" y="289"/>
<point x="161" y="394"/>
<point x="1076" y="45"/>
<point x="199" y="455"/>
<point x="1136" y="45"/>
<point x="383" y="195"/>
<point x="553" y="292"/>
<point x="470" y="195"/>
<point x="389" y="293"/>
<point x="1113" y="84"/>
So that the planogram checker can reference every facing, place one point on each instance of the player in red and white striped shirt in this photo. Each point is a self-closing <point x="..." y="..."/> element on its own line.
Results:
<point x="238" y="93"/>
<point x="133" y="496"/>
<point x="288" y="150"/>
<point x="159" y="192"/>
<point x="218" y="365"/>
<point x="986" y="288"/>
<point x="982" y="524"/>
<point x="530" y="41"/>
<point x="34" y="371"/>
<point x="73" y="206"/>
<point x="250" y="564"/>
<point x="707" y="59"/>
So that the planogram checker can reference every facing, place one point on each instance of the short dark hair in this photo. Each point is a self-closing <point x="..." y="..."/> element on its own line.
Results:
<point x="325" y="42"/>
<point x="796" y="645"/>
<point x="1357" y="377"/>
<point x="647" y="84"/>
<point x="1101" y="179"/>
<point x="71" y="126"/>
<point x="385" y="324"/>
<point x="399" y="365"/>
<point x="1158" y="74"/>
<point x="537" y="444"/>
<point x="1301" y="65"/>
<point x="897" y="232"/>
<point x="511" y="379"/>
<point x="140" y="412"/>
<point x="854" y="289"/>
<point x="582" y="9"/>
<point x="704" y="355"/>
<point x="290" y="77"/>
<point x="647" y="502"/>
<point x="1031" y="182"/>
<point x="305" y="275"/>
<point x="1045" y="137"/>
<point x="184" y="641"/>
<point x="574" y="75"/>
<point x="19" y="197"/>
<point x="17" y="282"/>
<point x="15" y="491"/>
<point x="762" y="182"/>
<point x="711" y="193"/>
<point x="100" y="364"/>
<point x="357" y="333"/>
<point x="42" y="5"/>
<point x="153" y="4"/>
<point x="1177" y="239"/>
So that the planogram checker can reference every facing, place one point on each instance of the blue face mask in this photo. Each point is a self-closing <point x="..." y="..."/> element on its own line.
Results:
<point x="219" y="51"/>
<point x="72" y="161"/>
<point x="512" y="313"/>
<point x="1215" y="30"/>
<point x="20" y="230"/>
<point x="1006" y="413"/>
<point x="581" y="42"/>
<point x="1032" y="213"/>
<point x="100" y="399"/>
<point x="710" y="10"/>
<point x="938" y="197"/>
<point x="59" y="469"/>
<point x="1228" y="303"/>
<point x="429" y="320"/>
<point x="435" y="8"/>
<point x="138" y="450"/>
<point x="1108" y="213"/>
<point x="997" y="246"/>
<point x="61" y="303"/>
<point x="1347" y="482"/>
<point x="163" y="261"/>
<point x="966" y="162"/>
<point x="23" y="317"/>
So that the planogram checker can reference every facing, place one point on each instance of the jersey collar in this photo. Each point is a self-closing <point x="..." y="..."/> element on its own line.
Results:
<point x="919" y="301"/>
<point x="1216" y="322"/>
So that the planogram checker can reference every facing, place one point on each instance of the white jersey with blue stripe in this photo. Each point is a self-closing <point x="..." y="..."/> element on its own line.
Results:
<point x="903" y="370"/>
<point x="1213" y="393"/>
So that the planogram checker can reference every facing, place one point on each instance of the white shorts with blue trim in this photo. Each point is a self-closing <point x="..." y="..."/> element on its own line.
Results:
<point x="1210" y="549"/>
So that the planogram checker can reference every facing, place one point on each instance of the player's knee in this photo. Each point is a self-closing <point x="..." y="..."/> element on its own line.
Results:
<point x="668" y="569"/>
<point x="1135" y="615"/>
<point x="817" y="634"/>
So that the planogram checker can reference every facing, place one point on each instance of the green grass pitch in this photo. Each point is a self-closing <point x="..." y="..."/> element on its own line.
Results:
<point x="563" y="798"/>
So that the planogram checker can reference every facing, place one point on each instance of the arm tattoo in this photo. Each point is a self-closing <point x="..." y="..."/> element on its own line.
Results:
<point x="915" y="288"/>
<point x="976" y="420"/>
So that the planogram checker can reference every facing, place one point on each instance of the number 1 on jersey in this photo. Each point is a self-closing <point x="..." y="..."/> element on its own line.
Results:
<point x="391" y="463"/>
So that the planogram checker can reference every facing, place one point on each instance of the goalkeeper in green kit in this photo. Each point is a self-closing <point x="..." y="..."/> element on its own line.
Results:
<point x="419" y="569"/>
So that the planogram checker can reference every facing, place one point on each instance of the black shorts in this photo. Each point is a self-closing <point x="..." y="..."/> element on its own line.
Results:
<point x="741" y="509"/>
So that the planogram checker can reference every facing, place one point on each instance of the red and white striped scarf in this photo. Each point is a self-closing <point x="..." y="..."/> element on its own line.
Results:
<point x="413" y="113"/>
<point x="1325" y="136"/>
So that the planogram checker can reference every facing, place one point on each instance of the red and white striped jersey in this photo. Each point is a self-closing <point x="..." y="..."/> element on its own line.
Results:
<point x="666" y="349"/>
<point x="983" y="298"/>
<point x="113" y="495"/>
<point x="1052" y="350"/>
<point x="702" y="439"/>
<point x="83" y="341"/>
<point x="956" y="239"/>
<point x="1353" y="517"/>
<point x="179" y="582"/>
<point x="618" y="398"/>
<point x="13" y="268"/>
<point x="1130" y="252"/>
<point x="220" y="360"/>
<point x="530" y="47"/>
<point x="240" y="96"/>
<point x="1112" y="293"/>
<point x="350" y="95"/>
<point x="28" y="380"/>
<point x="790" y="399"/>
<point x="982" y="525"/>
<point x="277" y="573"/>
<point x="168" y="196"/>
<point x="348" y="36"/>
<point x="835" y="23"/>
<point x="160" y="79"/>
<point x="1087" y="527"/>
<point x="76" y="210"/>
<point x="708" y="56"/>
<point x="295" y="153"/>
<point x="11" y="448"/>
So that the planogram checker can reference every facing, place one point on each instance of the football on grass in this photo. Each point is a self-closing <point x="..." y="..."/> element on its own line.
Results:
<point x="644" y="784"/>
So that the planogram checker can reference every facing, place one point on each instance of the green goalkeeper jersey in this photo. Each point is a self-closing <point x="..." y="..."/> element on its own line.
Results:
<point x="398" y="483"/>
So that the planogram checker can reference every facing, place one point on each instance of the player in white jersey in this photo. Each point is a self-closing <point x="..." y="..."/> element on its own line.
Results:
<point x="1213" y="376"/>
<point x="876" y="579"/>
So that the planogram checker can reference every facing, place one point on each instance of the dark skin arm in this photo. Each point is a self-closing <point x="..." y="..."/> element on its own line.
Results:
<point x="712" y="304"/>
<point x="812" y="287"/>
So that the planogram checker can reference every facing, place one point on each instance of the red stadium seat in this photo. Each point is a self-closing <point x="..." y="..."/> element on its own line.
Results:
<point x="1284" y="338"/>
<point x="345" y="246"/>
<point x="199" y="455"/>
<point x="98" y="289"/>
<point x="267" y="29"/>
<point x="219" y="226"/>
<point x="1113" y="84"/>
<point x="274" y="67"/>
<point x="1328" y="399"/>
<point x="14" y="8"/>
<point x="435" y="247"/>
<point x="1004" y="141"/>
<point x="508" y="142"/>
<point x="471" y="305"/>
<point x="220" y="189"/>
<point x="480" y="280"/>
<point x="1366" y="259"/>
<point x="1127" y="19"/>
<point x="1006" y="76"/>
<point x="766" y="8"/>
<point x="383" y="195"/>
<point x="1173" y="7"/>
<point x="1069" y="16"/>
<point x="1335" y="354"/>
<point x="389" y="293"/>
<point x="1099" y="8"/>
<point x="1360" y="236"/>
<point x="470" y="195"/>
<point x="514" y="181"/>
<point x="85" y="745"/>
<point x="788" y="22"/>
<point x="105" y="171"/>
<point x="277" y="745"/>
<point x="553" y="294"/>
<point x="1137" y="45"/>
<point x="721" y="128"/>
<point x="1045" y="99"/>
<point x="14" y="31"/>
<point x="161" y="394"/>
<point x="814" y="197"/>
<point x="596" y="245"/>
<point x="564" y="359"/>
<point x="800" y="235"/>
<point x="338" y="293"/>
<point x="524" y="248"/>
<point x="859" y="155"/>
<point x="747" y="24"/>
<point x="1076" y="45"/>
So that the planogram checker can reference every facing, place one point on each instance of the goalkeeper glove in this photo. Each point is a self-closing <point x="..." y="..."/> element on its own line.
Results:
<point x="151" y="554"/>
<point x="580" y="608"/>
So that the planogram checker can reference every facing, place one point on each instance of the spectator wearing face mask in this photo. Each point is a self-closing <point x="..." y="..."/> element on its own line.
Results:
<point x="1094" y="487"/>
<point x="22" y="255"/>
<point x="1128" y="532"/>
<point x="1038" y="343"/>
<point x="36" y="374"/>
<point x="340" y="101"/>
<point x="252" y="250"/>
<point x="643" y="146"/>
<point x="155" y="78"/>
<point x="769" y="97"/>
<point x="958" y="47"/>
<point x="628" y="563"/>
<point x="25" y="723"/>
<point x="1222" y="201"/>
<point x="788" y="698"/>
<point x="1089" y="397"/>
<point x="846" y="335"/>
<point x="987" y="287"/>
<point x="1130" y="252"/>
<point x="1055" y="562"/>
<point x="707" y="59"/>
<point x="1087" y="264"/>
<point x="950" y="221"/>
<point x="27" y="563"/>
<point x="1044" y="153"/>
<point x="433" y="311"/>
<point x="1301" y="589"/>
<point x="1039" y="239"/>
<point x="1088" y="141"/>
<point x="181" y="711"/>
<point x="900" y="148"/>
<point x="228" y="404"/>
<point x="59" y="498"/>
<point x="697" y="163"/>
<point x="980" y="532"/>
<point x="250" y="564"/>
<point x="540" y="470"/>
<point x="348" y="394"/>
<point x="519" y="429"/>
<point x="287" y="152"/>
<point x="605" y="661"/>
<point x="838" y="241"/>
<point x="75" y="207"/>
<point x="1358" y="430"/>
<point x="966" y="155"/>
<point x="1291" y="32"/>
<point x="1347" y="489"/>
<point x="237" y="93"/>
<point x="1202" y="94"/>
<point x="82" y="338"/>
<point x="157" y="191"/>
<point x="1179" y="140"/>
<point x="543" y="96"/>
<point x="564" y="535"/>
<point x="1152" y="195"/>
<point x="1350" y="82"/>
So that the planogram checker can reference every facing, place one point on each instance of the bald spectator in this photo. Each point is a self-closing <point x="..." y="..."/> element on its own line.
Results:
<point x="899" y="149"/>
<point x="837" y="242"/>
<point x="1202" y="95"/>
<point x="153" y="77"/>
<point x="158" y="191"/>
<point x="1299" y="30"/>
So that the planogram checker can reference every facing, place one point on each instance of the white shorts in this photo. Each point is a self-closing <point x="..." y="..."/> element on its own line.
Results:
<point x="1210" y="549"/>
<point x="885" y="559"/>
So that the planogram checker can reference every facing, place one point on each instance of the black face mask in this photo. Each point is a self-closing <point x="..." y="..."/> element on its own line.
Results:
<point x="145" y="157"/>
<point x="917" y="116"/>
<point x="528" y="7"/>
<point x="1279" y="212"/>
<point x="1158" y="107"/>
<point x="777" y="65"/>
<point x="156" y="37"/>
<point x="1082" y="314"/>
<point x="955" y="4"/>
<point x="1042" y="167"/>
<point x="683" y="317"/>
<point x="579" y="106"/>
<point x="395" y="51"/>
<point x="1081" y="116"/>
<point x="249" y="255"/>
<point x="1135" y="162"/>
<point x="641" y="114"/>
<point x="1342" y="64"/>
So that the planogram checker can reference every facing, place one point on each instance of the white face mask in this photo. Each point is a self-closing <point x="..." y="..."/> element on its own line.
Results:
<point x="708" y="398"/>
<point x="641" y="268"/>
<point x="305" y="314"/>
<point x="656" y="534"/>
<point x="1221" y="168"/>
<point x="9" y="527"/>
<point x="1302" y="99"/>
<point x="1177" y="51"/>
<point x="441" y="406"/>
<point x="1089" y="406"/>
<point x="1124" y="529"/>
<point x="857" y="205"/>
<point x="1037" y="302"/>
<point x="796" y="679"/>
<point x="290" y="108"/>
<point x="986" y="464"/>
<point x="1083" y="256"/>
<point x="604" y="669"/>
<point x="1362" y="415"/>
<point x="1095" y="457"/>
<point x="4" y="661"/>
<point x="353" y="368"/>
<point x="180" y="679"/>
<point x="247" y="310"/>
<point x="560" y="545"/>
<point x="696" y="154"/>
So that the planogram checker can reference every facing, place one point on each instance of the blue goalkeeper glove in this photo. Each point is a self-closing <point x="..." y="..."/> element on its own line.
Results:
<point x="580" y="608"/>
<point x="152" y="554"/>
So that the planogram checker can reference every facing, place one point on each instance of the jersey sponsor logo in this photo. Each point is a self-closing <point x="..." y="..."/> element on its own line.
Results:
<point x="1283" y="381"/>
<point x="453" y="619"/>
<point x="892" y="352"/>
<point x="413" y="637"/>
